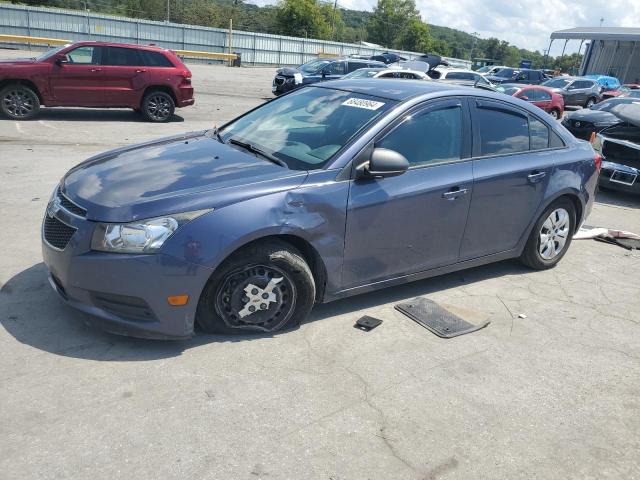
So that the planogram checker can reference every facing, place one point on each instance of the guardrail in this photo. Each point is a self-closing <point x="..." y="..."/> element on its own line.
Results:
<point x="57" y="41"/>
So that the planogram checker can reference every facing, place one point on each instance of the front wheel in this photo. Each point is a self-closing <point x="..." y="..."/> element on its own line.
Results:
<point x="158" y="106"/>
<point x="551" y="236"/>
<point x="264" y="287"/>
<point x="555" y="114"/>
<point x="590" y="103"/>
<point x="19" y="102"/>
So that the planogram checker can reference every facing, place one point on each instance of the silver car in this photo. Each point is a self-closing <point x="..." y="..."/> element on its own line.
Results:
<point x="576" y="91"/>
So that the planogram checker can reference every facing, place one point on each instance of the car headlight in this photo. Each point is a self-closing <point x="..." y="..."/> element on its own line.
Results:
<point x="144" y="236"/>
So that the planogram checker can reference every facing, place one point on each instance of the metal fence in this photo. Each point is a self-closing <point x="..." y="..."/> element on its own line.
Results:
<point x="256" y="48"/>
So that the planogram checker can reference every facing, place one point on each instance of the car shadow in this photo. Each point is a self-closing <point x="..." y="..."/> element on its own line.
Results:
<point x="618" y="199"/>
<point x="32" y="313"/>
<point x="94" y="115"/>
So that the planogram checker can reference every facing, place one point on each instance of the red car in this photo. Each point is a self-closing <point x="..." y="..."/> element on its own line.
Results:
<point x="541" y="97"/>
<point x="623" y="91"/>
<point x="151" y="80"/>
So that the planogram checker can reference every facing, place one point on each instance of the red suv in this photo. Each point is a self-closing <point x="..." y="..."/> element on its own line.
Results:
<point x="151" y="80"/>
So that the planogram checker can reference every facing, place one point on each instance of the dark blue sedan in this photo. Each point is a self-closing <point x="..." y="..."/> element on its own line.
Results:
<point x="329" y="191"/>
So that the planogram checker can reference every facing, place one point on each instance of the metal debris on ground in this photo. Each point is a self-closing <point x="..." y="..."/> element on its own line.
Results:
<point x="436" y="318"/>
<point x="367" y="323"/>
<point x="623" y="239"/>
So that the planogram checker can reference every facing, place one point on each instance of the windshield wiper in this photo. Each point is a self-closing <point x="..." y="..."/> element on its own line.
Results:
<point x="257" y="151"/>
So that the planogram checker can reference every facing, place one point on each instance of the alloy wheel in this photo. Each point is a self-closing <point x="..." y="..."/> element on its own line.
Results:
<point x="158" y="107"/>
<point x="554" y="234"/>
<point x="256" y="297"/>
<point x="18" y="103"/>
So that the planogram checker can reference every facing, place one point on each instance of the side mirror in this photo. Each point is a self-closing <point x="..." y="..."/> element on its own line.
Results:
<point x="62" y="60"/>
<point x="383" y="163"/>
<point x="524" y="97"/>
<point x="324" y="72"/>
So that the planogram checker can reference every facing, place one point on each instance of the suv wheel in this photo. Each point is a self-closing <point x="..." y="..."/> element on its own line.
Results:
<point x="19" y="102"/>
<point x="551" y="236"/>
<point x="554" y="114"/>
<point x="158" y="106"/>
<point x="264" y="287"/>
<point x="590" y="103"/>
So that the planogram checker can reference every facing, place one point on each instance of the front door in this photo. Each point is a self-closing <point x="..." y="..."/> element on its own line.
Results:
<point x="415" y="221"/>
<point x="512" y="168"/>
<point x="77" y="79"/>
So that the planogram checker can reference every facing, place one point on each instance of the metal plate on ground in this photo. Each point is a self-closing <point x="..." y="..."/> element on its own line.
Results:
<point x="436" y="318"/>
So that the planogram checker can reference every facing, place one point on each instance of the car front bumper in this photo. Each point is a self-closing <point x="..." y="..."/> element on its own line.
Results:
<point x="123" y="293"/>
<point x="282" y="85"/>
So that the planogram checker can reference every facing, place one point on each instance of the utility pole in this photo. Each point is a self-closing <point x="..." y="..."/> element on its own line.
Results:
<point x="333" y="27"/>
<point x="168" y="11"/>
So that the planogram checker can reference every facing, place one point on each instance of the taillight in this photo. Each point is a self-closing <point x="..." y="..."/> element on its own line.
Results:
<point x="598" y="161"/>
<point x="186" y="73"/>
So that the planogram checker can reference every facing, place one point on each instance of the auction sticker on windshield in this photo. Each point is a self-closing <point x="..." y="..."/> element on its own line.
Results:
<point x="363" y="103"/>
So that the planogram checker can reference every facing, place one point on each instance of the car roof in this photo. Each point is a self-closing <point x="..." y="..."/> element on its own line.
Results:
<point x="154" y="48"/>
<point x="392" y="89"/>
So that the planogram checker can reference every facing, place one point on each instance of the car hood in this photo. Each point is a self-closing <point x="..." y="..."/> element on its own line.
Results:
<point x="629" y="112"/>
<point x="593" y="116"/>
<point x="17" y="61"/>
<point x="170" y="175"/>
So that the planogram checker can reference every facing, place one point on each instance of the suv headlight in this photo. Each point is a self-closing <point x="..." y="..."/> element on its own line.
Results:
<point x="144" y="236"/>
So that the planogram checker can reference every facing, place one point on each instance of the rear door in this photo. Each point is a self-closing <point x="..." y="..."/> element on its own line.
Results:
<point x="335" y="70"/>
<point x="415" y="221"/>
<point x="512" y="166"/>
<point x="542" y="100"/>
<point x="78" y="80"/>
<point x="125" y="76"/>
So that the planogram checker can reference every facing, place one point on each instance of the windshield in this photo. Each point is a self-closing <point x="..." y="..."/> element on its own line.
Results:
<point x="505" y="73"/>
<point x="362" y="73"/>
<point x="314" y="66"/>
<point x="307" y="127"/>
<point x="557" y="83"/>
<point x="484" y="69"/>
<point x="614" y="102"/>
<point x="50" y="53"/>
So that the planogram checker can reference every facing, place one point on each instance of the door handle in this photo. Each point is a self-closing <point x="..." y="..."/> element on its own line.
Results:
<point x="536" y="176"/>
<point x="454" y="193"/>
<point x="141" y="70"/>
<point x="96" y="69"/>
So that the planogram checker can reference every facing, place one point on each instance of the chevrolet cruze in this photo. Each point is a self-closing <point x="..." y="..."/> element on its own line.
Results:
<point x="329" y="191"/>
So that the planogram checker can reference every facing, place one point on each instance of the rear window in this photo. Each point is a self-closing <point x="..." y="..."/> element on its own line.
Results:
<point x="460" y="76"/>
<point x="155" y="59"/>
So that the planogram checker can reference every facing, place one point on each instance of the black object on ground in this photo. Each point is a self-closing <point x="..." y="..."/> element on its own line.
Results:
<point x="628" y="243"/>
<point x="367" y="323"/>
<point x="435" y="318"/>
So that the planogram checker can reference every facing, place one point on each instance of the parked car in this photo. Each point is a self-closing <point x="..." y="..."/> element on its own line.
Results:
<point x="619" y="146"/>
<point x="148" y="79"/>
<point x="488" y="70"/>
<point x="576" y="91"/>
<point x="388" y="57"/>
<point x="541" y="97"/>
<point x="445" y="73"/>
<point x="582" y="123"/>
<point x="524" y="75"/>
<point x="606" y="83"/>
<point x="318" y="70"/>
<point x="309" y="198"/>
<point x="387" y="73"/>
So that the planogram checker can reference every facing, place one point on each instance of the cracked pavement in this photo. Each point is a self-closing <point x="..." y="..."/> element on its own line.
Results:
<point x="555" y="395"/>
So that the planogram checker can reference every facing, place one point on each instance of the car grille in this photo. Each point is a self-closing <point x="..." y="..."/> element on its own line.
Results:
<point x="279" y="80"/>
<point x="56" y="233"/>
<point x="69" y="205"/>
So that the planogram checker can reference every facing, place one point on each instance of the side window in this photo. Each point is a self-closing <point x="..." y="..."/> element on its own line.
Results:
<point x="117" y="56"/>
<point x="539" y="133"/>
<point x="502" y="130"/>
<point x="428" y="137"/>
<point x="353" y="66"/>
<point x="337" y="68"/>
<point x="543" y="96"/>
<point x="388" y="75"/>
<point x="556" y="141"/>
<point x="155" y="59"/>
<point x="460" y="76"/>
<point x="84" y="56"/>
<point x="530" y="94"/>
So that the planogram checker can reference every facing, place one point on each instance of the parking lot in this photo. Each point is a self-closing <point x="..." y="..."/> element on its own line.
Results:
<point x="548" y="390"/>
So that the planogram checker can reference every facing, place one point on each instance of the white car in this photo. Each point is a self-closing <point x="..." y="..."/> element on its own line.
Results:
<point x="387" y="73"/>
<point x="490" y="69"/>
<point x="443" y="73"/>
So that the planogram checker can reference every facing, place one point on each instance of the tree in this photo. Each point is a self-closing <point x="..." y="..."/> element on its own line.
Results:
<point x="397" y="24"/>
<point x="302" y="18"/>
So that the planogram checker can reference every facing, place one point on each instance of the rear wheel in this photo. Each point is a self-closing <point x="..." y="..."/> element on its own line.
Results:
<point x="551" y="236"/>
<point x="19" y="102"/>
<point x="264" y="287"/>
<point x="158" y="106"/>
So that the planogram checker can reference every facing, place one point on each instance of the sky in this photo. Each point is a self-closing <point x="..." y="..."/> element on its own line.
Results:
<point x="524" y="23"/>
